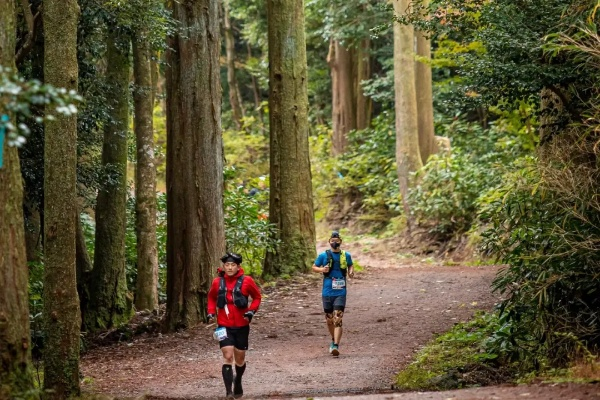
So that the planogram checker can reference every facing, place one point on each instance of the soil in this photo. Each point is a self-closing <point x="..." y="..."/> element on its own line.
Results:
<point x="395" y="306"/>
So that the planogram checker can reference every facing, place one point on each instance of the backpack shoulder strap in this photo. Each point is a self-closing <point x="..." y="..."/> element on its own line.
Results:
<point x="240" y="281"/>
<point x="329" y="258"/>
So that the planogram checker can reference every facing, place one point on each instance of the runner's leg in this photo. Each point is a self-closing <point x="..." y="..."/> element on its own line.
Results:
<point x="227" y="369"/>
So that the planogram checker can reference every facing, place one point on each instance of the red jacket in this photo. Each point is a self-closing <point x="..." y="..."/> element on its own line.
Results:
<point x="235" y="319"/>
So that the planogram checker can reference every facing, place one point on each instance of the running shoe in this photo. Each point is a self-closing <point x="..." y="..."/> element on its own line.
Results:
<point x="335" y="351"/>
<point x="331" y="347"/>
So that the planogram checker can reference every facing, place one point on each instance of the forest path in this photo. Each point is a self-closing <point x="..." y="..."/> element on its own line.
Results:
<point x="394" y="307"/>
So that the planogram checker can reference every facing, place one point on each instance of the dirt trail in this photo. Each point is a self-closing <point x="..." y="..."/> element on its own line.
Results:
<point x="394" y="307"/>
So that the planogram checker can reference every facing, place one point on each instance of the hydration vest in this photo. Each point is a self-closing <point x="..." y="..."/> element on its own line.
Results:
<point x="239" y="300"/>
<point x="343" y="263"/>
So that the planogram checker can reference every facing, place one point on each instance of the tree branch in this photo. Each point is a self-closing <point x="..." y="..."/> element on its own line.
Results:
<point x="29" y="38"/>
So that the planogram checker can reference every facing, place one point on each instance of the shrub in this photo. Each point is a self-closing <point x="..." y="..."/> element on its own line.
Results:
<point x="544" y="222"/>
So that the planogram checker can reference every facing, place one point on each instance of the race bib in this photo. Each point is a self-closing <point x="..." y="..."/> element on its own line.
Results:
<point x="338" y="284"/>
<point x="220" y="333"/>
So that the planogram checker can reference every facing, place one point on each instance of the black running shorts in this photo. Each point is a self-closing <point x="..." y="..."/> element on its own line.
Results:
<point x="236" y="337"/>
<point x="331" y="303"/>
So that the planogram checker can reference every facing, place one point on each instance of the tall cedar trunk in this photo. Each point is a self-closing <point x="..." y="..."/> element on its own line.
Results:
<point x="234" y="90"/>
<point x="290" y="206"/>
<point x="195" y="228"/>
<point x="343" y="108"/>
<point x="255" y="88"/>
<point x="364" y="104"/>
<point x="62" y="317"/>
<point x="427" y="142"/>
<point x="408" y="157"/>
<point x="109" y="303"/>
<point x="146" y="295"/>
<point x="15" y="357"/>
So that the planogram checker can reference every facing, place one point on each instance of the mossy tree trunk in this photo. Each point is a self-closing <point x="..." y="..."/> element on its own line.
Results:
<point x="408" y="157"/>
<point x="109" y="302"/>
<point x="235" y="100"/>
<point x="195" y="227"/>
<point x="146" y="294"/>
<point x="424" y="92"/>
<point x="15" y="353"/>
<point x="62" y="317"/>
<point x="291" y="204"/>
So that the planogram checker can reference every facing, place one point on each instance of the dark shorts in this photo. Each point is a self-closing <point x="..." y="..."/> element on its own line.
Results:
<point x="236" y="337"/>
<point x="331" y="303"/>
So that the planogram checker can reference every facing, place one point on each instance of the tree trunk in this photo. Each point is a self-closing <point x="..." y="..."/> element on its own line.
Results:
<point x="234" y="92"/>
<point x="62" y="317"/>
<point x="255" y="88"/>
<point x="15" y="356"/>
<point x="195" y="230"/>
<point x="408" y="157"/>
<point x="427" y="142"/>
<point x="146" y="296"/>
<point x="291" y="204"/>
<point x="33" y="229"/>
<point x="344" y="98"/>
<point x="109" y="303"/>
<point x="364" y="104"/>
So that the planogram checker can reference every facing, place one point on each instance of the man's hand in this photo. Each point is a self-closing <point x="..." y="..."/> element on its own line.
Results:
<point x="351" y="274"/>
<point x="248" y="315"/>
<point x="210" y="318"/>
<point x="326" y="269"/>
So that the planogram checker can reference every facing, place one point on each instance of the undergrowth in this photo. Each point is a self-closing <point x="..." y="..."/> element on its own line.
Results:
<point x="459" y="358"/>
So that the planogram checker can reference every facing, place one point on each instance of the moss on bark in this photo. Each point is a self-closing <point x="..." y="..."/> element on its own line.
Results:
<point x="291" y="205"/>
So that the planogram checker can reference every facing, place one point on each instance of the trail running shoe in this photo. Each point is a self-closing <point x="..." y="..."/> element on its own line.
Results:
<point x="335" y="351"/>
<point x="331" y="347"/>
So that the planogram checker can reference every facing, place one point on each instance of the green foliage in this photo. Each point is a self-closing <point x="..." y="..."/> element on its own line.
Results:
<point x="368" y="166"/>
<point x="247" y="229"/>
<point x="18" y="98"/>
<point x="246" y="150"/>
<point x="543" y="223"/>
<point x="445" y="197"/>
<point x="36" y="305"/>
<point x="439" y="366"/>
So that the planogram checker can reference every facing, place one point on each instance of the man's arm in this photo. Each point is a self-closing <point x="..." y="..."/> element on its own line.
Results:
<point x="321" y="270"/>
<point x="350" y="265"/>
<point x="318" y="267"/>
<point x="254" y="292"/>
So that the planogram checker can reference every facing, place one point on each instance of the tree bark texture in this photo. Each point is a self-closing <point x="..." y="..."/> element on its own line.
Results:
<point x="424" y="89"/>
<point x="255" y="89"/>
<point x="234" y="91"/>
<point x="364" y="104"/>
<point x="342" y="63"/>
<point x="408" y="157"/>
<point x="109" y="303"/>
<point x="291" y="204"/>
<point x="146" y="295"/>
<point x="62" y="317"/>
<point x="195" y="226"/>
<point x="15" y="353"/>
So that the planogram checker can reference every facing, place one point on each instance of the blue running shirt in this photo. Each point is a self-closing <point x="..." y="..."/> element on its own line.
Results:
<point x="334" y="273"/>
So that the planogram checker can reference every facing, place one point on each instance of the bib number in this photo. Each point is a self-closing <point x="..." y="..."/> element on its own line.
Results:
<point x="220" y="333"/>
<point x="338" y="284"/>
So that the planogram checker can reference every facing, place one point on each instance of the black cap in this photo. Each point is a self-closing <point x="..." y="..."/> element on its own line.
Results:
<point x="231" y="257"/>
<point x="335" y="234"/>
